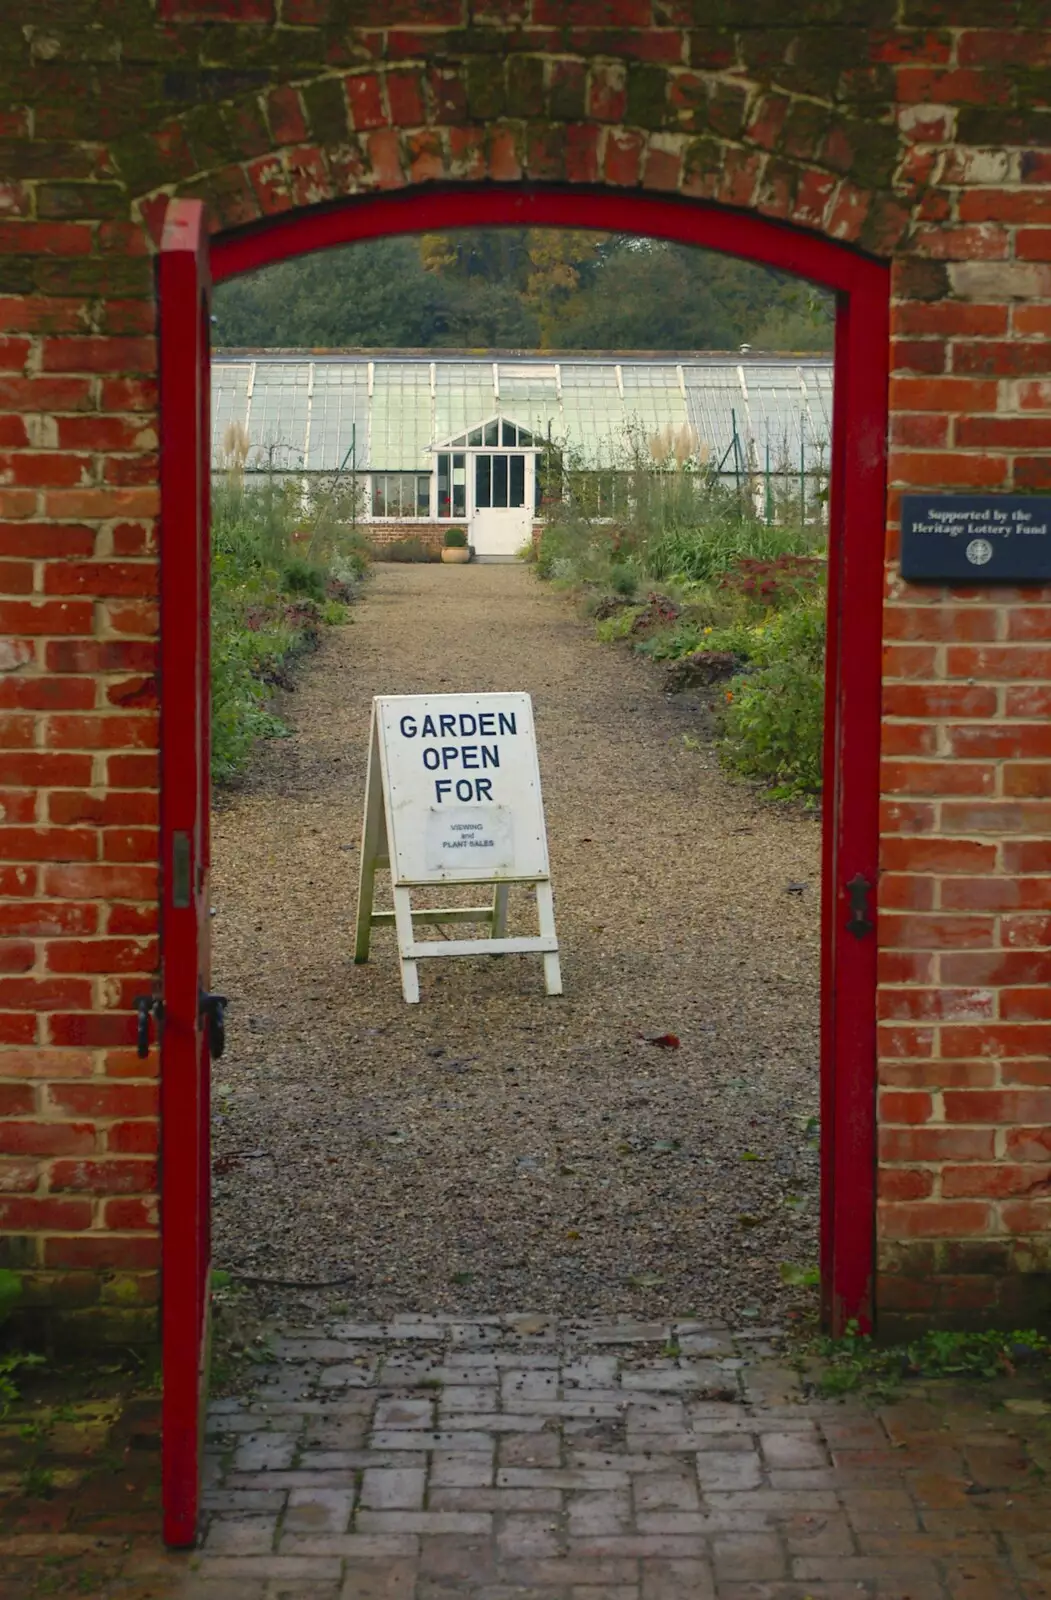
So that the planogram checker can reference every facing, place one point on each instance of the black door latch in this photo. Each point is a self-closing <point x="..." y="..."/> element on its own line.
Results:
<point x="147" y="1006"/>
<point x="213" y="1013"/>
<point x="859" y="889"/>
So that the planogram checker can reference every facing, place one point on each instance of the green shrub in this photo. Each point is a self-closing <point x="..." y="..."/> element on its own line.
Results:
<point x="299" y="576"/>
<point x="774" y="716"/>
<point x="455" y="539"/>
<point x="268" y="599"/>
<point x="618" y="626"/>
<point x="412" y="550"/>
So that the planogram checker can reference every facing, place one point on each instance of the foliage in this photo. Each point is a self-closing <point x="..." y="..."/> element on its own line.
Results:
<point x="855" y="1362"/>
<point x="282" y="567"/>
<point x="12" y="1361"/>
<point x="726" y="594"/>
<point x="406" y="550"/>
<point x="774" y="718"/>
<point x="517" y="288"/>
<point x="455" y="539"/>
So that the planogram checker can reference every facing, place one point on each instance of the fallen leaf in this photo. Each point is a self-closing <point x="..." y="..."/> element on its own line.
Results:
<point x="646" y="1280"/>
<point x="664" y="1041"/>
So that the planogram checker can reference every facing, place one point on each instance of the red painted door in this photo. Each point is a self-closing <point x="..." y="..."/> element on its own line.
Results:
<point x="190" y="1020"/>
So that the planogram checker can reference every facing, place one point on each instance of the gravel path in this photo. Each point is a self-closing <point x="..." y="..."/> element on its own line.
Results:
<point x="493" y="1150"/>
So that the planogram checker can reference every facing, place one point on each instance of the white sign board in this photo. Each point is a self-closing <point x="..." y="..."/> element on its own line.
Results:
<point x="453" y="796"/>
<point x="462" y="787"/>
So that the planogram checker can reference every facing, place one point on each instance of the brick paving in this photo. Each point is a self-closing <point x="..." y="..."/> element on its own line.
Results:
<point x="511" y="1459"/>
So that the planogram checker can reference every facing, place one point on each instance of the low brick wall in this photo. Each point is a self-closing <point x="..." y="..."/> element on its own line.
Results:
<point x="381" y="535"/>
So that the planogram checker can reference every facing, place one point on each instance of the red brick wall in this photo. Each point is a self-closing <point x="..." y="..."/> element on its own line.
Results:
<point x="912" y="132"/>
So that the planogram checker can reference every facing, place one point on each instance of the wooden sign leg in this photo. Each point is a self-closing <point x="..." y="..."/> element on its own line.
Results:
<point x="410" y="978"/>
<point x="500" y="898"/>
<point x="545" y="906"/>
<point x="373" y="840"/>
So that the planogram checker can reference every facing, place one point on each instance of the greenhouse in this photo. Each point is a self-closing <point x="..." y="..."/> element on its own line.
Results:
<point x="429" y="439"/>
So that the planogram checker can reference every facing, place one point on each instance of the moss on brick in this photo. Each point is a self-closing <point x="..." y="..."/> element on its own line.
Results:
<point x="995" y="125"/>
<point x="326" y="108"/>
<point x="81" y="200"/>
<point x="525" y="87"/>
<point x="647" y="96"/>
<point x="486" y="92"/>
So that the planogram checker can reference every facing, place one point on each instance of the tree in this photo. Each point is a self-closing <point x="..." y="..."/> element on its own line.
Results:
<point x="522" y="289"/>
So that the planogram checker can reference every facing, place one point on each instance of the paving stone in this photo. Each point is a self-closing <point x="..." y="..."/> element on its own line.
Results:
<point x="590" y="1372"/>
<point x="663" y="1415"/>
<point x="519" y="1387"/>
<point x="416" y="1439"/>
<point x="403" y="1413"/>
<point x="756" y="1556"/>
<point x="450" y="1470"/>
<point x="321" y="1510"/>
<point x="605" y="1591"/>
<point x="528" y="1537"/>
<point x="424" y="1521"/>
<point x="788" y="1450"/>
<point x="666" y="1492"/>
<point x="677" y="1380"/>
<point x="389" y="1580"/>
<point x="558" y="1478"/>
<point x="677" y="1580"/>
<point x="825" y="1533"/>
<point x="347" y="1375"/>
<point x="393" y="1488"/>
<point x="602" y="1512"/>
<point x="496" y="1421"/>
<point x="347" y="1433"/>
<point x="257" y="1500"/>
<point x="452" y="1557"/>
<point x="271" y="1567"/>
<point x="484" y="1499"/>
<point x="880" y="1510"/>
<point x="240" y="1535"/>
<point x="540" y="1449"/>
<point x="365" y="1546"/>
<point x="729" y="1469"/>
<point x="467" y="1397"/>
<point x="265" y="1452"/>
<point x="622" y="1461"/>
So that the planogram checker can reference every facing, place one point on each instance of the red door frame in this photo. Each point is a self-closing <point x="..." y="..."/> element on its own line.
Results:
<point x="185" y="402"/>
<point x="853" y="674"/>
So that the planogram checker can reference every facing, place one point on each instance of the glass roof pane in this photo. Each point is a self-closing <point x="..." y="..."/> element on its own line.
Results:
<point x="303" y="414"/>
<point x="339" y="416"/>
<point x="229" y="401"/>
<point x="401" y="418"/>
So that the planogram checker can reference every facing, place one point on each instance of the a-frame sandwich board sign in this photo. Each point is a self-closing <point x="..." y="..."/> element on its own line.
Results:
<point x="453" y="797"/>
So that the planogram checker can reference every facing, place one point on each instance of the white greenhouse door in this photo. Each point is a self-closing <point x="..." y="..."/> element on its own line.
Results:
<point x="501" y="500"/>
<point x="500" y="532"/>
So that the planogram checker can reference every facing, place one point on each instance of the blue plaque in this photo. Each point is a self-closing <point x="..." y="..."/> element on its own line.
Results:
<point x="960" y="539"/>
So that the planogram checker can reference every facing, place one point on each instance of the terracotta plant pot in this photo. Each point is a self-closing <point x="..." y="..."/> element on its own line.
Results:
<point x="456" y="552"/>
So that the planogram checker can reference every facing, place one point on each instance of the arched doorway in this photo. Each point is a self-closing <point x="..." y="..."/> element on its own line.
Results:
<point x="189" y="262"/>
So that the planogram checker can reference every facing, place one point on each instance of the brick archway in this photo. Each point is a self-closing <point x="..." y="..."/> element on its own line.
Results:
<point x="906" y="131"/>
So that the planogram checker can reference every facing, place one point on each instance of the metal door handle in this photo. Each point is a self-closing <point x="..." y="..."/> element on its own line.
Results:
<point x="859" y="888"/>
<point x="147" y="1006"/>
<point x="213" y="1013"/>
